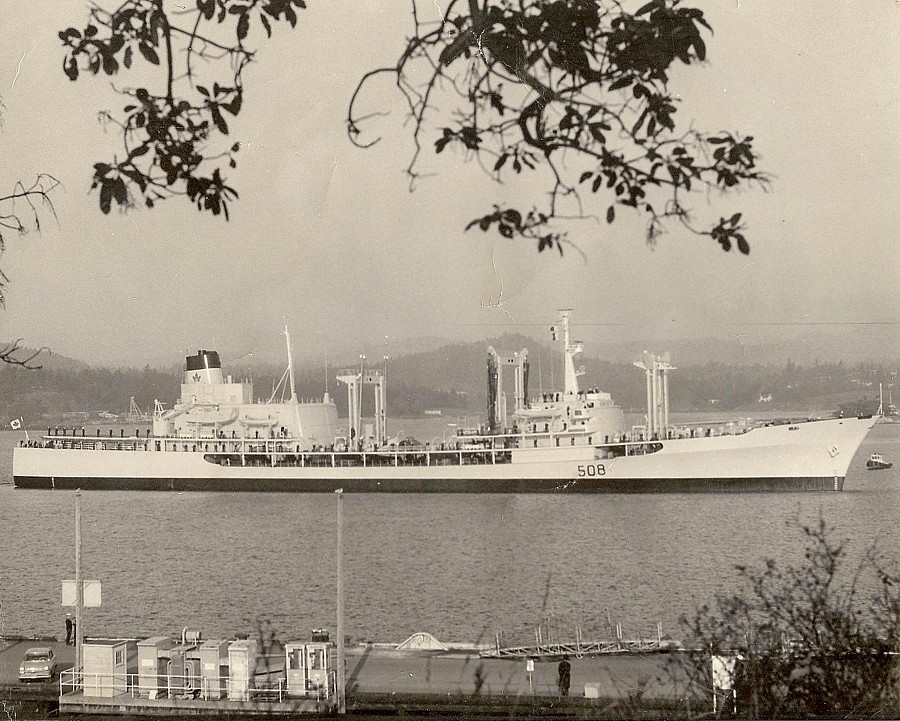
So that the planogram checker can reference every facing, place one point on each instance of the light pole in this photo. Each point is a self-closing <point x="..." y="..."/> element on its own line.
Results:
<point x="339" y="671"/>
<point x="79" y="587"/>
<point x="359" y="403"/>
<point x="384" y="406"/>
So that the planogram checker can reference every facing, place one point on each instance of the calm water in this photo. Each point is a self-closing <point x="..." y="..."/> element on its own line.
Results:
<point x="461" y="567"/>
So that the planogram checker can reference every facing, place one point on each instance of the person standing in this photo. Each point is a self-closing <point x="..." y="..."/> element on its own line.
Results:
<point x="565" y="676"/>
<point x="68" y="628"/>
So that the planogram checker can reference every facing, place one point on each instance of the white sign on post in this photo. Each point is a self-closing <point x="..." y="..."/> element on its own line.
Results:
<point x="91" y="593"/>
<point x="723" y="670"/>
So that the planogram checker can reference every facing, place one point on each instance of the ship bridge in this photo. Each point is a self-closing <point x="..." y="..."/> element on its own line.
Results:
<point x="589" y="413"/>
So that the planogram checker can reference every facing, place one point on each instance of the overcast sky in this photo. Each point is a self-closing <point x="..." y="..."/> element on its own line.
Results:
<point x="328" y="239"/>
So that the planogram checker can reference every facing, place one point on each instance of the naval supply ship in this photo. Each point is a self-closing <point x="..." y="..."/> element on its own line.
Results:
<point x="216" y="438"/>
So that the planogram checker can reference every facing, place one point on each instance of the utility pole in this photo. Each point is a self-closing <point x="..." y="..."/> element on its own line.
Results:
<point x="384" y="434"/>
<point x="341" y="690"/>
<point x="79" y="586"/>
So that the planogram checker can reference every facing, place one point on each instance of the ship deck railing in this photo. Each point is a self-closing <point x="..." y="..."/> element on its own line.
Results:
<point x="363" y="459"/>
<point x="474" y="447"/>
<point x="285" y="451"/>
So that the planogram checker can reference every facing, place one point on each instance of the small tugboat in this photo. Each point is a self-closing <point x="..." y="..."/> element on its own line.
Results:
<point x="876" y="462"/>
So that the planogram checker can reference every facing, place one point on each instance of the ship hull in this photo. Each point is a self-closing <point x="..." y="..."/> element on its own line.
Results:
<point x="438" y="485"/>
<point x="807" y="456"/>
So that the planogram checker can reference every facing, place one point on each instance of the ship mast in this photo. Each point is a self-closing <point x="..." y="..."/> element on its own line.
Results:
<point x="290" y="355"/>
<point x="298" y="425"/>
<point x="572" y="348"/>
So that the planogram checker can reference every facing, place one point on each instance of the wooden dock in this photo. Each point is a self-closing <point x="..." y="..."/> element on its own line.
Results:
<point x="582" y="649"/>
<point x="579" y="648"/>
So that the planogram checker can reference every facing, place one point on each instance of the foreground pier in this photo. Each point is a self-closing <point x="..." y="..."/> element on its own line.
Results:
<point x="382" y="680"/>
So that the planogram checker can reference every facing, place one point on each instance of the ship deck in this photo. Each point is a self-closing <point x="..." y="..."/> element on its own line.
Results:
<point x="811" y="455"/>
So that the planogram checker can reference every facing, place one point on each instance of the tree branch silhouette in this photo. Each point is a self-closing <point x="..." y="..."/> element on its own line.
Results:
<point x="577" y="92"/>
<point x="9" y="355"/>
<point x="14" y="218"/>
<point x="174" y="141"/>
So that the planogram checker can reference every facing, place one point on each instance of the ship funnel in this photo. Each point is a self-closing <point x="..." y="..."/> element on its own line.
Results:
<point x="205" y="368"/>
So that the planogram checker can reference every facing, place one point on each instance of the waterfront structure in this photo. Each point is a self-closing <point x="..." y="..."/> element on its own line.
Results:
<point x="166" y="676"/>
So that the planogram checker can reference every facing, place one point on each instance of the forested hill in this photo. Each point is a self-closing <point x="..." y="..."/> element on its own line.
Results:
<point x="459" y="371"/>
<point x="452" y="379"/>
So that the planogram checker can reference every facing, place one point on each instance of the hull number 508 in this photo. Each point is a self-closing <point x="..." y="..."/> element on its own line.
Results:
<point x="591" y="469"/>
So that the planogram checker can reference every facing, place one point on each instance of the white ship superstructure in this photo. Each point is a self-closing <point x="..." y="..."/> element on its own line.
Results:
<point x="212" y="405"/>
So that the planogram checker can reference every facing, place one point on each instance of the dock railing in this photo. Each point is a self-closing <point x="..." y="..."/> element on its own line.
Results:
<point x="109" y="685"/>
<point x="553" y="638"/>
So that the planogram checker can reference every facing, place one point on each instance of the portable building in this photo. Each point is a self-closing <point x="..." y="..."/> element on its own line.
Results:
<point x="213" y="668"/>
<point x="153" y="666"/>
<point x="105" y="666"/>
<point x="241" y="669"/>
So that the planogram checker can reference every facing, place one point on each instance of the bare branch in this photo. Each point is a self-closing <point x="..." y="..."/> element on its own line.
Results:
<point x="13" y="217"/>
<point x="8" y="355"/>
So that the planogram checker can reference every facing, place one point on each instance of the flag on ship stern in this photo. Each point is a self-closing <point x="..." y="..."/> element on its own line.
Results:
<point x="17" y="424"/>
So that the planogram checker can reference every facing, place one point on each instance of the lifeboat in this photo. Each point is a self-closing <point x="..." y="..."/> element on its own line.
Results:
<point x="252" y="422"/>
<point x="212" y="417"/>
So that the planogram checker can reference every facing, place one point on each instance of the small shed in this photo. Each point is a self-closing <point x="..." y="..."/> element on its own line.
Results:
<point x="105" y="664"/>
<point x="241" y="669"/>
<point x="213" y="668"/>
<point x="310" y="668"/>
<point x="153" y="662"/>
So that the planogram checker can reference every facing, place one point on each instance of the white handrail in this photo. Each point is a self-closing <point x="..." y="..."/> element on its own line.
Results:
<point x="100" y="685"/>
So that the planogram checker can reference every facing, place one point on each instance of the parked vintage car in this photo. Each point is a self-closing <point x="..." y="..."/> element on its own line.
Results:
<point x="39" y="664"/>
